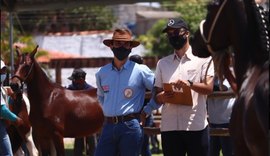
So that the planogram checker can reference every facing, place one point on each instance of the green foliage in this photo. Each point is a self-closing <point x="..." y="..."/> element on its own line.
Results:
<point x="27" y="40"/>
<point x="5" y="37"/>
<point x="82" y="18"/>
<point x="155" y="41"/>
<point x="192" y="11"/>
<point x="93" y="17"/>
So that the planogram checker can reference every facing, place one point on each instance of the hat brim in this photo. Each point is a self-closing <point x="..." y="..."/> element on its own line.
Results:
<point x="108" y="42"/>
<point x="71" y="78"/>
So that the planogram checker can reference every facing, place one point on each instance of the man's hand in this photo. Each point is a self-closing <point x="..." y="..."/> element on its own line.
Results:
<point x="19" y="121"/>
<point x="143" y="117"/>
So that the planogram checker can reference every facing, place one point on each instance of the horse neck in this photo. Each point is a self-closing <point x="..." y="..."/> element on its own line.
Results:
<point x="39" y="84"/>
<point x="248" y="45"/>
<point x="238" y="36"/>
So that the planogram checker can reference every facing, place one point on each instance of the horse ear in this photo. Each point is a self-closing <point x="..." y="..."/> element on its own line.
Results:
<point x="19" y="55"/>
<point x="33" y="53"/>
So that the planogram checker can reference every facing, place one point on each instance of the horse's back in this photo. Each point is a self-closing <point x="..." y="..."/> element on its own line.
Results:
<point x="78" y="110"/>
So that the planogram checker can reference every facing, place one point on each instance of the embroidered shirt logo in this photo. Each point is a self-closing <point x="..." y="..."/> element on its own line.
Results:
<point x="105" y="88"/>
<point x="128" y="92"/>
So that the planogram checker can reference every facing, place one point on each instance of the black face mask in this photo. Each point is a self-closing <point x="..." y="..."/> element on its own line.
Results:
<point x="121" y="53"/>
<point x="178" y="41"/>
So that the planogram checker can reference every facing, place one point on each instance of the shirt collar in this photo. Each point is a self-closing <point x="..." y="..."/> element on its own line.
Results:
<point x="188" y="54"/>
<point x="125" y="66"/>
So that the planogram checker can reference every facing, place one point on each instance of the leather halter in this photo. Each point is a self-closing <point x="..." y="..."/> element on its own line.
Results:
<point x="208" y="40"/>
<point x="26" y="77"/>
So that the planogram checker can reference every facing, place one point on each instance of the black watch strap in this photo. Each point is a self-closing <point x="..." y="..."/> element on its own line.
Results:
<point x="190" y="83"/>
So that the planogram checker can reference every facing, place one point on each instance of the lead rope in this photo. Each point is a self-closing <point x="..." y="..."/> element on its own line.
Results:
<point x="207" y="41"/>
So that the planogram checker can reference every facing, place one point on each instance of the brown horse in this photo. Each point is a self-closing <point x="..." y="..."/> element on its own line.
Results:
<point x="240" y="29"/>
<point x="56" y="112"/>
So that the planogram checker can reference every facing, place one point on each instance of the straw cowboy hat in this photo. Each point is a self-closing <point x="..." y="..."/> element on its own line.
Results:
<point x="121" y="35"/>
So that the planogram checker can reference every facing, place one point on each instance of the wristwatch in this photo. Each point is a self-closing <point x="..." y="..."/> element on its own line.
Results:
<point x="190" y="83"/>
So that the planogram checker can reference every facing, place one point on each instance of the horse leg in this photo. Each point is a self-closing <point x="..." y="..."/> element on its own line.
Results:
<point x="30" y="144"/>
<point x="59" y="144"/>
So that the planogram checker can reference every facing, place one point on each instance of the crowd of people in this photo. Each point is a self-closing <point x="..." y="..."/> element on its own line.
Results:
<point x="121" y="89"/>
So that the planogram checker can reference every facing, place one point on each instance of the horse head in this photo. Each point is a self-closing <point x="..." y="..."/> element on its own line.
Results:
<point x="213" y="34"/>
<point x="221" y="34"/>
<point x="24" y="71"/>
<point x="234" y="29"/>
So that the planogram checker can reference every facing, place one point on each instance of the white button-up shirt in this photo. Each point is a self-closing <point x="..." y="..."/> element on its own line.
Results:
<point x="189" y="67"/>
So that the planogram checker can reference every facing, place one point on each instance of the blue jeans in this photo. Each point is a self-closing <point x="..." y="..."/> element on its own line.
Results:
<point x="218" y="143"/>
<point x="5" y="145"/>
<point x="123" y="138"/>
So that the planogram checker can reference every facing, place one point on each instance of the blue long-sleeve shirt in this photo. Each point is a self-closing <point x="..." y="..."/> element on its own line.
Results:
<point x="5" y="113"/>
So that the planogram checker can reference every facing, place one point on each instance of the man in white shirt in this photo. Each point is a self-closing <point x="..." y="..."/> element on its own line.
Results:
<point x="184" y="129"/>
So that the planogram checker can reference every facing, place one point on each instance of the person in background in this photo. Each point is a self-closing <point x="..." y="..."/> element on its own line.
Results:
<point x="87" y="143"/>
<point x="219" y="114"/>
<point x="184" y="129"/>
<point x="121" y="87"/>
<point x="5" y="114"/>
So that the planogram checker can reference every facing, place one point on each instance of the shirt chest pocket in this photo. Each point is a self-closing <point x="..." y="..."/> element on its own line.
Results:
<point x="192" y="74"/>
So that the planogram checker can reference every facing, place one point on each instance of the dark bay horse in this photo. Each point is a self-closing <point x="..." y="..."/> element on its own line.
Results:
<point x="240" y="28"/>
<point x="56" y="112"/>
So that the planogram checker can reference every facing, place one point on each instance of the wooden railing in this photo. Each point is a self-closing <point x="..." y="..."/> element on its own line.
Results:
<point x="213" y="131"/>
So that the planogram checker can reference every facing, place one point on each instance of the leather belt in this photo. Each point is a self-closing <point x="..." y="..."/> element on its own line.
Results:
<point x="122" y="118"/>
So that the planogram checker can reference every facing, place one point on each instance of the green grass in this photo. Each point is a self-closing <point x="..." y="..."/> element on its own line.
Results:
<point x="69" y="150"/>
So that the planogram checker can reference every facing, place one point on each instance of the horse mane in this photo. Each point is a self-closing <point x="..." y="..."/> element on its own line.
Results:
<point x="258" y="29"/>
<point x="45" y="75"/>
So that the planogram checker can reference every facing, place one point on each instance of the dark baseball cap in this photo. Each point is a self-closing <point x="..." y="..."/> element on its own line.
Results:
<point x="77" y="73"/>
<point x="136" y="58"/>
<point x="176" y="23"/>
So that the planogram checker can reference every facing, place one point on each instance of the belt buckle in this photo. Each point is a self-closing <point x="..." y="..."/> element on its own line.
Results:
<point x="116" y="120"/>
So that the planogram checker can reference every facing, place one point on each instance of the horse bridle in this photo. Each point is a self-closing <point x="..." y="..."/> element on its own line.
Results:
<point x="208" y="40"/>
<point x="26" y="77"/>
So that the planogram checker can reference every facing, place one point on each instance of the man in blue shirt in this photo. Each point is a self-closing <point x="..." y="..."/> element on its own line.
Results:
<point x="121" y="87"/>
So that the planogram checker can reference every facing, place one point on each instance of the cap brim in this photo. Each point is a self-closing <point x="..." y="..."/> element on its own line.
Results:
<point x="173" y="27"/>
<point x="108" y="42"/>
<point x="70" y="78"/>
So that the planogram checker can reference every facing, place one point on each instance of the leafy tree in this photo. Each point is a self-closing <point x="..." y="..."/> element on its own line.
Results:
<point x="74" y="19"/>
<point x="155" y="41"/>
<point x="192" y="11"/>
<point x="18" y="37"/>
